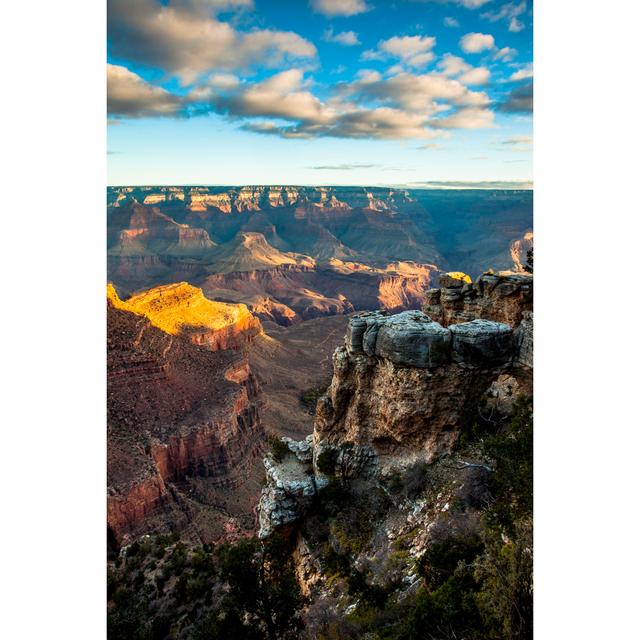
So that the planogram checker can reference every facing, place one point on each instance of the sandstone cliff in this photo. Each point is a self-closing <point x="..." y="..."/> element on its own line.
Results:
<point x="183" y="426"/>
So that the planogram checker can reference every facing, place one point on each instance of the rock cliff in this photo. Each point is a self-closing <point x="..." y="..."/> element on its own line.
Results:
<point x="503" y="297"/>
<point x="183" y="427"/>
<point x="405" y="387"/>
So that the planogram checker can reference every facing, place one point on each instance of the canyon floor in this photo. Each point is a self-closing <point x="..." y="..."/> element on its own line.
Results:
<point x="293" y="366"/>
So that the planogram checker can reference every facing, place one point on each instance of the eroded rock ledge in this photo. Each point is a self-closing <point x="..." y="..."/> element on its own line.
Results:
<point x="503" y="297"/>
<point x="403" y="388"/>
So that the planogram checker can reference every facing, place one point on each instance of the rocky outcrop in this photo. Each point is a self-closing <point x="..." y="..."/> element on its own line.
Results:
<point x="502" y="297"/>
<point x="291" y="486"/>
<point x="403" y="389"/>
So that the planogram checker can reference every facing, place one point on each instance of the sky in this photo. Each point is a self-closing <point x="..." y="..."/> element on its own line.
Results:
<point x="319" y="92"/>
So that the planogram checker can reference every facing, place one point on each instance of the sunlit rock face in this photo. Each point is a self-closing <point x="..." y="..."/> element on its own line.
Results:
<point x="181" y="309"/>
<point x="519" y="249"/>
<point x="180" y="416"/>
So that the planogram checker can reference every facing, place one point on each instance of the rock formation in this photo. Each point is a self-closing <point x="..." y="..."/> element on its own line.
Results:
<point x="315" y="249"/>
<point x="503" y="297"/>
<point x="181" y="309"/>
<point x="404" y="387"/>
<point x="182" y="425"/>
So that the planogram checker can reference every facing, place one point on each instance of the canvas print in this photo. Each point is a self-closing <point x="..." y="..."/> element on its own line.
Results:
<point x="319" y="319"/>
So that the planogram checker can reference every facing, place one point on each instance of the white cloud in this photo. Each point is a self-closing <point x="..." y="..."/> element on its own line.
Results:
<point x="479" y="75"/>
<point x="414" y="51"/>
<point x="477" y="42"/>
<point x="451" y="65"/>
<point x="331" y="8"/>
<point x="224" y="80"/>
<point x="522" y="74"/>
<point x="128" y="95"/>
<point x="450" y="22"/>
<point x="403" y="106"/>
<point x="346" y="38"/>
<point x="183" y="39"/>
<point x="427" y="93"/>
<point x="472" y="118"/>
<point x="509" y="12"/>
<point x="506" y="53"/>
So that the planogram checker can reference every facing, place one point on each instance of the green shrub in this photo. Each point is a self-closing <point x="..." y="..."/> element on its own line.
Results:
<point x="326" y="461"/>
<point x="279" y="449"/>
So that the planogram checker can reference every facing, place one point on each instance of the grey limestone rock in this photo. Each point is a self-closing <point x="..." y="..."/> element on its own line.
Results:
<point x="524" y="341"/>
<point x="356" y="328"/>
<point x="481" y="343"/>
<point x="290" y="489"/>
<point x="412" y="339"/>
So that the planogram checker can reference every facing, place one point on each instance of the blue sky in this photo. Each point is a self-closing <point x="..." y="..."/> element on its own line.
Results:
<point x="319" y="91"/>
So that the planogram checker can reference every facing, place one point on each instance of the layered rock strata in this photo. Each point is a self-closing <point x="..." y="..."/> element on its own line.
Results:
<point x="179" y="416"/>
<point x="502" y="297"/>
<point x="403" y="388"/>
<point x="181" y="309"/>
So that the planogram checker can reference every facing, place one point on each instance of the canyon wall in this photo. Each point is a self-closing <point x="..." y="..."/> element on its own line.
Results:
<point x="183" y="426"/>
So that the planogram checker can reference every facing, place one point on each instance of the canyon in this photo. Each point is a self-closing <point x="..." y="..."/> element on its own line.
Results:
<point x="388" y="500"/>
<point x="294" y="253"/>
<point x="330" y="367"/>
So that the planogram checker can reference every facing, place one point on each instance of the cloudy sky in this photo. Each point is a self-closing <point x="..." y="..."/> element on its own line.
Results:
<point x="319" y="91"/>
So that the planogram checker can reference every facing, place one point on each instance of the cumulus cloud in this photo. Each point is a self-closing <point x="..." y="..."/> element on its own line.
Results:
<point x="414" y="51"/>
<point x="184" y="38"/>
<point x="451" y="65"/>
<point x="427" y="93"/>
<point x="332" y="8"/>
<point x="346" y="38"/>
<point x="224" y="80"/>
<point x="477" y="42"/>
<point x="477" y="75"/>
<point x="506" y="54"/>
<point x="402" y="106"/>
<point x="509" y="12"/>
<point x="522" y="74"/>
<point x="280" y="96"/>
<point x="520" y="100"/>
<point x="128" y="95"/>
<point x="452" y="23"/>
<point x="472" y="118"/>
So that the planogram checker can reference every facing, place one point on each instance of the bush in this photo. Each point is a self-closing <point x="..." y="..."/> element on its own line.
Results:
<point x="326" y="461"/>
<point x="279" y="449"/>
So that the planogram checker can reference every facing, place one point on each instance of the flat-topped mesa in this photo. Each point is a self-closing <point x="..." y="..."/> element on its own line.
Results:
<point x="504" y="297"/>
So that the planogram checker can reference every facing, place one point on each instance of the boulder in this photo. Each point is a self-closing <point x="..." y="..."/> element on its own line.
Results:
<point x="412" y="339"/>
<point x="482" y="343"/>
<point x="356" y="329"/>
